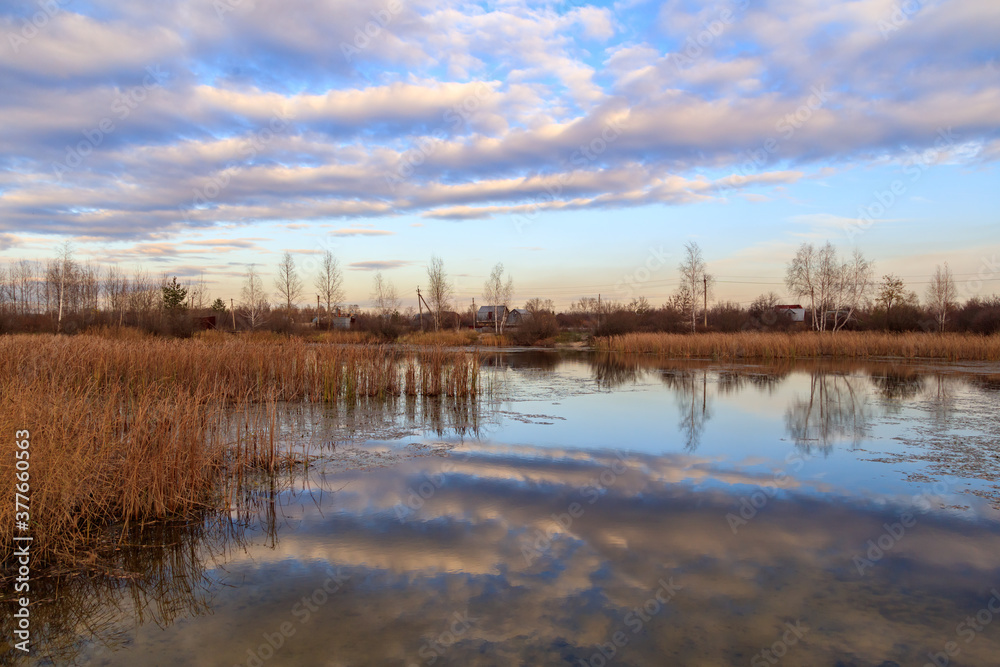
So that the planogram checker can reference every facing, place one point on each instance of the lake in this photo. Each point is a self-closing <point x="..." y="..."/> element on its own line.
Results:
<point x="590" y="510"/>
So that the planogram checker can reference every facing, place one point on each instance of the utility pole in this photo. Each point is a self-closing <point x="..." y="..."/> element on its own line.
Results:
<point x="598" y="311"/>
<point x="232" y="309"/>
<point x="704" y="278"/>
<point x="474" y="315"/>
<point x="421" y="299"/>
<point x="420" y="305"/>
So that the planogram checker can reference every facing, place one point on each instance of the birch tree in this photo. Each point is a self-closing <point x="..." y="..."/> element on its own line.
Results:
<point x="384" y="297"/>
<point x="439" y="292"/>
<point x="498" y="292"/>
<point x="852" y="288"/>
<point x="800" y="277"/>
<point x="329" y="283"/>
<point x="288" y="283"/>
<point x="941" y="295"/>
<point x="694" y="280"/>
<point x="254" y="306"/>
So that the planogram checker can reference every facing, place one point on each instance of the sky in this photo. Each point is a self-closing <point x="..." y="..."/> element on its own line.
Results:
<point x="580" y="144"/>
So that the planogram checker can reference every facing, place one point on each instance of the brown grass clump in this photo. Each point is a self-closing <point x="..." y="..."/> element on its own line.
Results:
<point x="342" y="337"/>
<point x="806" y="345"/>
<point x="127" y="431"/>
<point x="494" y="340"/>
<point x="450" y="338"/>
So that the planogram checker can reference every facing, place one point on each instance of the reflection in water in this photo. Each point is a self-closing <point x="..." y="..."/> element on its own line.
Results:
<point x="943" y="390"/>
<point x="504" y="552"/>
<point x="161" y="574"/>
<point x="897" y="386"/>
<point x="495" y="546"/>
<point x="613" y="370"/>
<point x="734" y="381"/>
<point x="827" y="401"/>
<point x="835" y="409"/>
<point x="389" y="419"/>
<point x="691" y="393"/>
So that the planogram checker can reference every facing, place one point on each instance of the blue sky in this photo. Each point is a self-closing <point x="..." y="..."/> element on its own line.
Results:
<point x="579" y="144"/>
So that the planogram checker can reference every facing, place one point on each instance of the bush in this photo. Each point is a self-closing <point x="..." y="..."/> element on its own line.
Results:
<point x="539" y="327"/>
<point x="617" y="322"/>
<point x="387" y="329"/>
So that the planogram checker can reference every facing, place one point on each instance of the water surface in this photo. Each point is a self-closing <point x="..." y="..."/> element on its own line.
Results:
<point x="594" y="510"/>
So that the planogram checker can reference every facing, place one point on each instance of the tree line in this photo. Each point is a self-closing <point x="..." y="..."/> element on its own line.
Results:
<point x="65" y="295"/>
<point x="835" y="294"/>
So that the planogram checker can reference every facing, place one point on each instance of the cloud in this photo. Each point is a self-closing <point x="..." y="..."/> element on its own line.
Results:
<point x="379" y="265"/>
<point x="460" y="112"/>
<point x="8" y="241"/>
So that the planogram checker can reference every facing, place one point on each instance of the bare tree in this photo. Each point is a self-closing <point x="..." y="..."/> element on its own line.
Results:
<point x="832" y="286"/>
<point x="6" y="290"/>
<point x="143" y="297"/>
<point x="329" y="283"/>
<point x="24" y="286"/>
<point x="800" y="277"/>
<point x="116" y="287"/>
<point x="89" y="291"/>
<point x="695" y="281"/>
<point x="254" y="306"/>
<point x="61" y="276"/>
<point x="536" y="305"/>
<point x="440" y="291"/>
<point x="852" y="287"/>
<point x="498" y="293"/>
<point x="941" y="294"/>
<point x="384" y="297"/>
<point x="814" y="273"/>
<point x="288" y="283"/>
<point x="829" y="273"/>
<point x="197" y="299"/>
<point x="890" y="291"/>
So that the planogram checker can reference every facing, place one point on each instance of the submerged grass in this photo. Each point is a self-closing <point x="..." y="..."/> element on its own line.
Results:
<point x="807" y="345"/>
<point x="133" y="431"/>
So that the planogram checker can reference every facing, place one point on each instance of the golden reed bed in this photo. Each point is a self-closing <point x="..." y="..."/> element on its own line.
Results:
<point x="808" y="345"/>
<point x="127" y="431"/>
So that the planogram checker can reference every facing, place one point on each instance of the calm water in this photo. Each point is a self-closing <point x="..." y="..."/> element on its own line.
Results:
<point x="594" y="511"/>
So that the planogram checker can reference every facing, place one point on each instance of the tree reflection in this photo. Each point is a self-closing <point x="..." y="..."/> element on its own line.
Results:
<point x="734" y="381"/>
<point x="836" y="409"/>
<point x="157" y="573"/>
<point x="943" y="394"/>
<point x="897" y="385"/>
<point x="612" y="370"/>
<point x="691" y="393"/>
<point x="391" y="418"/>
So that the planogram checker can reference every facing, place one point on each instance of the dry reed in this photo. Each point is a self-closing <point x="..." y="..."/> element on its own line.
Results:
<point x="449" y="337"/>
<point x="807" y="345"/>
<point x="145" y="429"/>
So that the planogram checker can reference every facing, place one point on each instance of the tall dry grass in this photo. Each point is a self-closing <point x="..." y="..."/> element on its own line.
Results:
<point x="449" y="337"/>
<point x="494" y="340"/>
<point x="140" y="430"/>
<point x="805" y="345"/>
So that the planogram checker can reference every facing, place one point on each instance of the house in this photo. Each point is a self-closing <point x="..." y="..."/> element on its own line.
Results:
<point x="517" y="317"/>
<point x="488" y="316"/>
<point x="797" y="312"/>
<point x="339" y="320"/>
